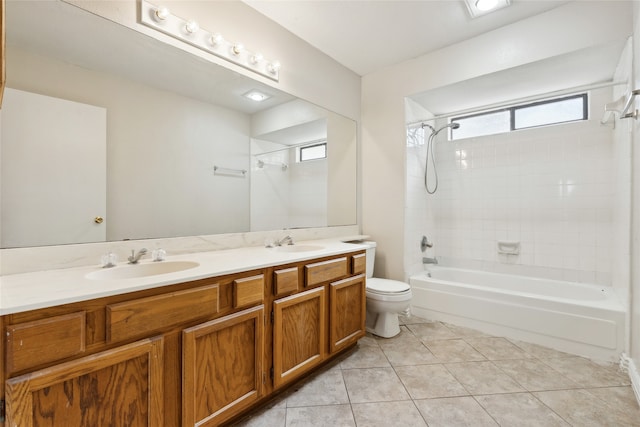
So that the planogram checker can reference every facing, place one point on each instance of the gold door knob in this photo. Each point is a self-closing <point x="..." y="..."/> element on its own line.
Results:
<point x="98" y="220"/>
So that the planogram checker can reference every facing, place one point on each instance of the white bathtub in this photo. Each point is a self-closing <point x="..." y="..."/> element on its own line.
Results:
<point x="577" y="318"/>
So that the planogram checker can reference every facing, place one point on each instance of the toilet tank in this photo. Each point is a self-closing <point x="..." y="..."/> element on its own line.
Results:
<point x="371" y="256"/>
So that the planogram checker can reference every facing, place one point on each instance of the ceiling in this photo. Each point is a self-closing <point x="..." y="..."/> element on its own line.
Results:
<point x="368" y="35"/>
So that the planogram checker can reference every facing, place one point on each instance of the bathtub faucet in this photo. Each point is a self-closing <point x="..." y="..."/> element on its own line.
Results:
<point x="427" y="260"/>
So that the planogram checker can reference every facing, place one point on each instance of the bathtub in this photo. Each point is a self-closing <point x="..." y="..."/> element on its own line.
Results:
<point x="577" y="318"/>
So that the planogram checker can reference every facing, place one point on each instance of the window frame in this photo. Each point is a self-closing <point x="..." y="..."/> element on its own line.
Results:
<point x="313" y="145"/>
<point x="513" y="108"/>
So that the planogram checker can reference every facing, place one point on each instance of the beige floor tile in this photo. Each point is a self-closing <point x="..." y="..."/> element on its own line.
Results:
<point x="410" y="320"/>
<point x="587" y="373"/>
<point x="431" y="331"/>
<point x="620" y="399"/>
<point x="454" y="411"/>
<point x="519" y="409"/>
<point x="462" y="332"/>
<point x="321" y="416"/>
<point x="483" y="378"/>
<point x="385" y="414"/>
<point x="534" y="375"/>
<point x="494" y="348"/>
<point x="581" y="408"/>
<point x="538" y="350"/>
<point x="409" y="353"/>
<point x="368" y="340"/>
<point x="405" y="336"/>
<point x="429" y="381"/>
<point x="268" y="417"/>
<point x="328" y="388"/>
<point x="456" y="350"/>
<point x="374" y="385"/>
<point x="365" y="357"/>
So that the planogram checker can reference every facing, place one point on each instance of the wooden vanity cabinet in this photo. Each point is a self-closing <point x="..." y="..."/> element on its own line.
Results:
<point x="299" y="334"/>
<point x="347" y="312"/>
<point x="118" y="387"/>
<point x="199" y="353"/>
<point x="222" y="367"/>
<point x="323" y="318"/>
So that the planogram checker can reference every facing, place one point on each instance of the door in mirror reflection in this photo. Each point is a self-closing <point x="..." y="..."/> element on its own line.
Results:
<point x="56" y="151"/>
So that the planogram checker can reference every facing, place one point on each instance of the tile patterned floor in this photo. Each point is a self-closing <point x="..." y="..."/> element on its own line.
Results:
<point x="436" y="374"/>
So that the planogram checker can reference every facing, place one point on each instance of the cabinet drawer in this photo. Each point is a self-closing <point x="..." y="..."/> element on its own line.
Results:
<point x="147" y="315"/>
<point x="358" y="264"/>
<point x="42" y="341"/>
<point x="248" y="291"/>
<point x="285" y="281"/>
<point x="325" y="271"/>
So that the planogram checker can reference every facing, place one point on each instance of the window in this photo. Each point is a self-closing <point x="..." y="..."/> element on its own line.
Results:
<point x="548" y="112"/>
<point x="312" y="152"/>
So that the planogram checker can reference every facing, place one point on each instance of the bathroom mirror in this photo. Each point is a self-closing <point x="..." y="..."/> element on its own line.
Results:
<point x="176" y="150"/>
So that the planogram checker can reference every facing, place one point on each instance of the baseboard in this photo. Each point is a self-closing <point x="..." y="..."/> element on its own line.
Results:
<point x="627" y="364"/>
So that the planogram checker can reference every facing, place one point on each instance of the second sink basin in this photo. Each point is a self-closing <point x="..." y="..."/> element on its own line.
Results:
<point x="299" y="248"/>
<point x="141" y="270"/>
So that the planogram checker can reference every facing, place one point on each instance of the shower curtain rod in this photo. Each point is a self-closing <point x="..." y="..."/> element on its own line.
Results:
<point x="519" y="100"/>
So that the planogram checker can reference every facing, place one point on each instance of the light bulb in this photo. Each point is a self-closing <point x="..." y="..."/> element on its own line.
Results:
<point x="162" y="13"/>
<point x="256" y="58"/>
<point x="192" y="26"/>
<point x="216" y="39"/>
<point x="237" y="48"/>
<point x="485" y="5"/>
<point x="274" y="67"/>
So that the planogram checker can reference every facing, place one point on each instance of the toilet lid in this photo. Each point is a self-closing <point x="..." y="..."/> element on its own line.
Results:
<point x="386" y="286"/>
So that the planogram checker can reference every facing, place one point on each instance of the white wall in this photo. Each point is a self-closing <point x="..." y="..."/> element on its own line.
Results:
<point x="549" y="188"/>
<point x="565" y="29"/>
<point x="635" y="209"/>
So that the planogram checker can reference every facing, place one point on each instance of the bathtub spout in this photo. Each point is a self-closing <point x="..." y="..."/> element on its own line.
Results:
<point x="427" y="260"/>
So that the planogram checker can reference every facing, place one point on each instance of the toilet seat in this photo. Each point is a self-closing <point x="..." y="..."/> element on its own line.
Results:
<point x="387" y="290"/>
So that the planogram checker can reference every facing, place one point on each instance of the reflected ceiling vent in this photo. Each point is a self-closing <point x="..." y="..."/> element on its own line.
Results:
<point x="482" y="7"/>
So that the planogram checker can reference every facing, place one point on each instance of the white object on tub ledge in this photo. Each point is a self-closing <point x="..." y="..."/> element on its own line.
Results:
<point x="508" y="248"/>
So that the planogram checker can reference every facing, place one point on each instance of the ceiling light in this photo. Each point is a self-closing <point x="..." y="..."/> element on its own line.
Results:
<point x="274" y="67"/>
<point x="162" y="13"/>
<point x="481" y="7"/>
<point x="216" y="39"/>
<point x="188" y="31"/>
<point x="485" y="5"/>
<point x="192" y="27"/>
<point x="237" y="48"/>
<point x="257" y="96"/>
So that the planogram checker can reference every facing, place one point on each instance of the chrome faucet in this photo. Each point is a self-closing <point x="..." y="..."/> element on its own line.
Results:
<point x="427" y="260"/>
<point x="288" y="240"/>
<point x="134" y="258"/>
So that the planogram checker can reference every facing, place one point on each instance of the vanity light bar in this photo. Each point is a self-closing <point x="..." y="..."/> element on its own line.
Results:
<point x="160" y="18"/>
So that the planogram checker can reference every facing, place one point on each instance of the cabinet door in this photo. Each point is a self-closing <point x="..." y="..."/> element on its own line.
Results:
<point x="119" y="387"/>
<point x="222" y="367"/>
<point x="299" y="334"/>
<point x="347" y="303"/>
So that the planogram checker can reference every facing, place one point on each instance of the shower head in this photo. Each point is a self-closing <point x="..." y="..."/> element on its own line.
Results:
<point x="452" y="125"/>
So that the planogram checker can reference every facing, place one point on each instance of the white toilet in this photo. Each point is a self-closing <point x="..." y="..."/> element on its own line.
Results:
<point x="385" y="300"/>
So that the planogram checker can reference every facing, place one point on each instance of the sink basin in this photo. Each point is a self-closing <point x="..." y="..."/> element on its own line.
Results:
<point x="299" y="248"/>
<point x="141" y="270"/>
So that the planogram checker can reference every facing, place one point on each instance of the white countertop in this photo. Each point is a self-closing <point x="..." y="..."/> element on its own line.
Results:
<point x="48" y="288"/>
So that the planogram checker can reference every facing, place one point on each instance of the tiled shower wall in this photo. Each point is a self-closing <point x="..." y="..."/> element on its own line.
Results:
<point x="549" y="188"/>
